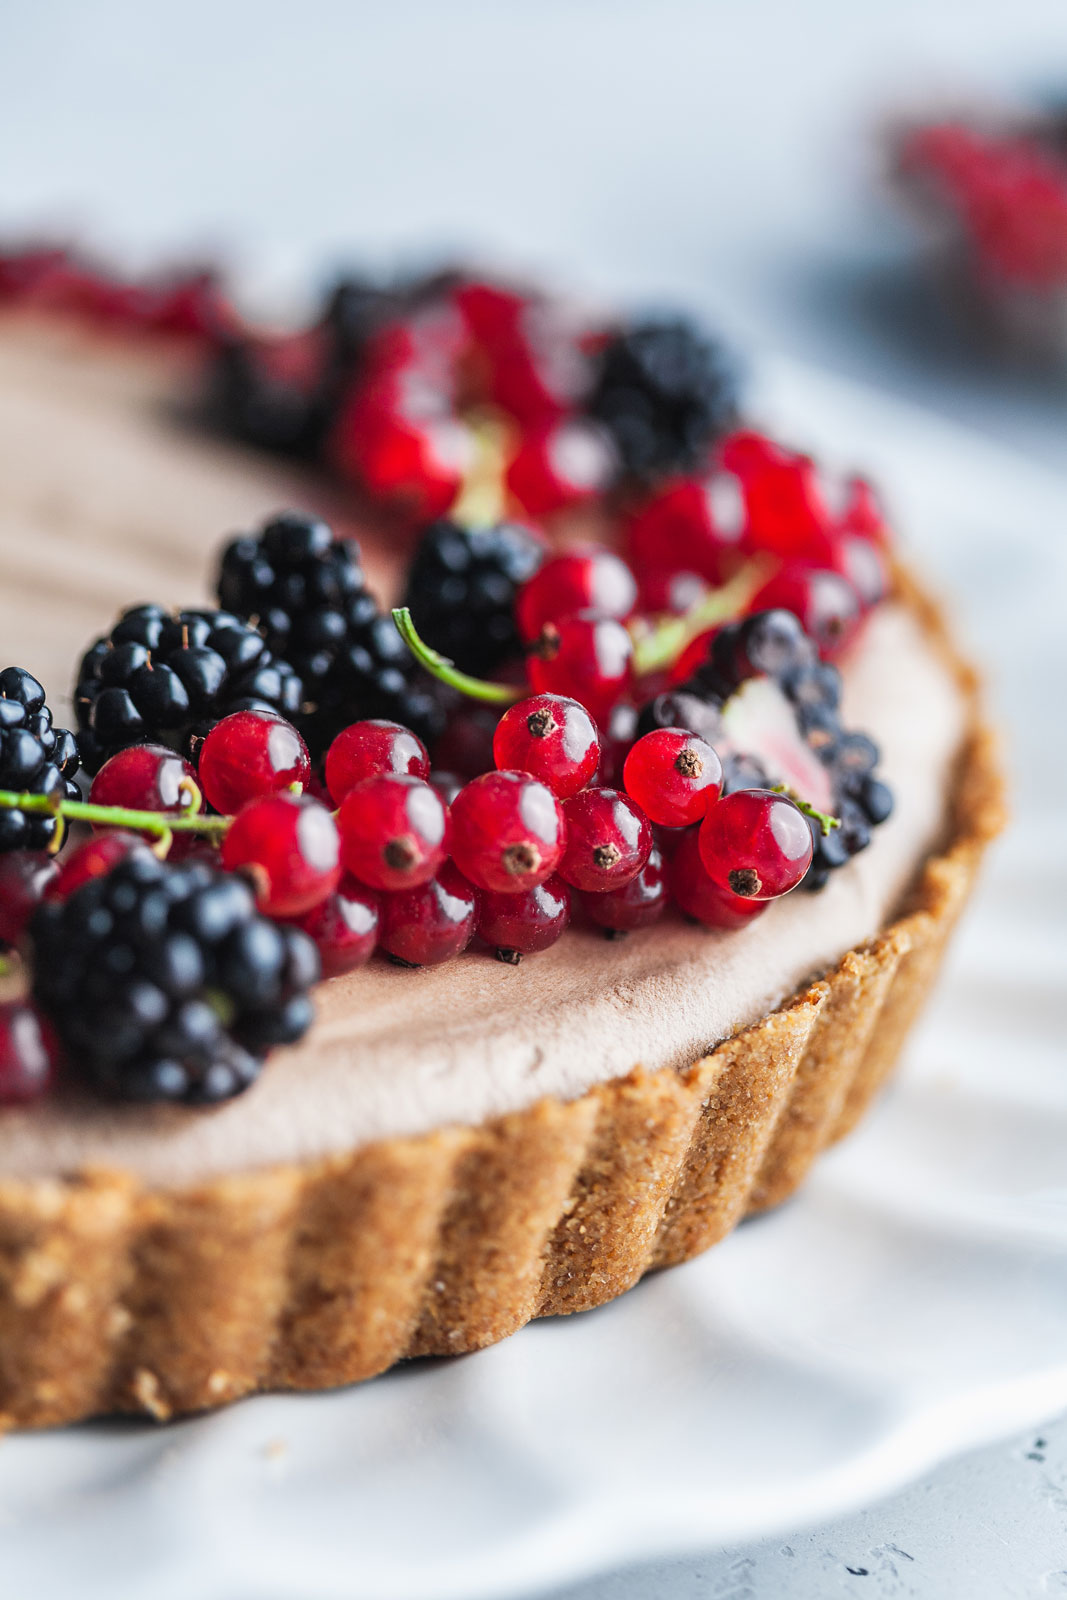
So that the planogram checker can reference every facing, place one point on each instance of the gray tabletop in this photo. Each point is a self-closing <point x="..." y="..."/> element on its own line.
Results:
<point x="719" y="153"/>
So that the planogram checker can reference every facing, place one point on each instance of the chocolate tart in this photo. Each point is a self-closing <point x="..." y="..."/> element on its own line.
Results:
<point x="452" y="1152"/>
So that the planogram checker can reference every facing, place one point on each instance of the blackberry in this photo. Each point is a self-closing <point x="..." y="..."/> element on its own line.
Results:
<point x="305" y="592"/>
<point x="664" y="392"/>
<point x="461" y="590"/>
<point x="257" y="393"/>
<point x="169" y="676"/>
<point x="773" y="645"/>
<point x="35" y="758"/>
<point x="163" y="982"/>
<point x="250" y="400"/>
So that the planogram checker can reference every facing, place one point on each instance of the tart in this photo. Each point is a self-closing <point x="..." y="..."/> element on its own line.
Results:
<point x="452" y="1151"/>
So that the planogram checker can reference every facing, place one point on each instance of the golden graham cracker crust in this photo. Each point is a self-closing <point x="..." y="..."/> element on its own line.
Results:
<point x="118" y="1297"/>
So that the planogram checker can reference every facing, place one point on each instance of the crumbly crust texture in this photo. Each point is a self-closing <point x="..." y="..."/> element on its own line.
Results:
<point x="115" y="1297"/>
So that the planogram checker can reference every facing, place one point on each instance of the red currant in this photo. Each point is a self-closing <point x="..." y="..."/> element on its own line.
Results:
<point x="24" y="877"/>
<point x="432" y="923"/>
<point x="344" y="927"/>
<point x="824" y="601"/>
<point x="609" y="839"/>
<point x="552" y="738"/>
<point x="560" y="465"/>
<point x="28" y="1053"/>
<point x="864" y="566"/>
<point x="696" y="895"/>
<point x="251" y="753"/>
<point x="91" y="860"/>
<point x="507" y="832"/>
<point x="287" y="844"/>
<point x="586" y="657"/>
<point x="586" y="579"/>
<point x="637" y="904"/>
<point x="147" y="777"/>
<point x="755" y="844"/>
<point x="673" y="776"/>
<point x="369" y="748"/>
<point x="394" y="831"/>
<point x="524" y="924"/>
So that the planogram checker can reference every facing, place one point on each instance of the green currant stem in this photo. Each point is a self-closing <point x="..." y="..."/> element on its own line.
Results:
<point x="158" y="822"/>
<point x="825" y="822"/>
<point x="439" y="666"/>
<point x="658" y="647"/>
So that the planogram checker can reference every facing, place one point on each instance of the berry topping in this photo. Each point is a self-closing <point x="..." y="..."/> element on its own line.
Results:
<point x="367" y="749"/>
<point x="507" y="832"/>
<point x="306" y="593"/>
<point x="24" y="877"/>
<point x="429" y="924"/>
<point x="343" y="927"/>
<point x="35" y="758"/>
<point x="164" y="983"/>
<point x="288" y="848"/>
<point x="167" y="677"/>
<point x="637" y="904"/>
<point x="588" y="579"/>
<point x="824" y="601"/>
<point x="552" y="738"/>
<point x="755" y="844"/>
<point x="394" y="831"/>
<point x="673" y="776"/>
<point x="609" y="839"/>
<point x="91" y="860"/>
<point x="586" y="657"/>
<point x="461" y="590"/>
<point x="663" y="391"/>
<point x="28" y="1053"/>
<point x="524" y="924"/>
<point x="695" y="894"/>
<point x="248" y="754"/>
<point x="146" y="777"/>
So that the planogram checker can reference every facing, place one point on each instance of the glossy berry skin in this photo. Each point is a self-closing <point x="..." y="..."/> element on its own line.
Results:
<point x="637" y="904"/>
<point x="24" y="877"/>
<point x="343" y="927"/>
<point x="824" y="601"/>
<point x="248" y="754"/>
<point x="369" y="748"/>
<point x="673" y="776"/>
<point x="150" y="777"/>
<point x="91" y="860"/>
<point x="696" y="896"/>
<point x="507" y="832"/>
<point x="755" y="844"/>
<point x="394" y="831"/>
<point x="287" y="845"/>
<point x="587" y="579"/>
<point x="609" y="839"/>
<point x="586" y="657"/>
<point x="551" y="737"/>
<point x="424" y="926"/>
<point x="28" y="1054"/>
<point x="524" y="924"/>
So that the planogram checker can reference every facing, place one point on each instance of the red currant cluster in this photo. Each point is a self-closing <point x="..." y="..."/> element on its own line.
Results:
<point x="51" y="278"/>
<point x="635" y="764"/>
<point x="1006" y="191"/>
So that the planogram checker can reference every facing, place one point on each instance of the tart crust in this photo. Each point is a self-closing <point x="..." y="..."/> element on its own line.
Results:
<point x="119" y="1297"/>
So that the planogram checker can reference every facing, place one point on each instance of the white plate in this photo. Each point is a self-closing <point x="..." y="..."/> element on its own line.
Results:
<point x="911" y="1302"/>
